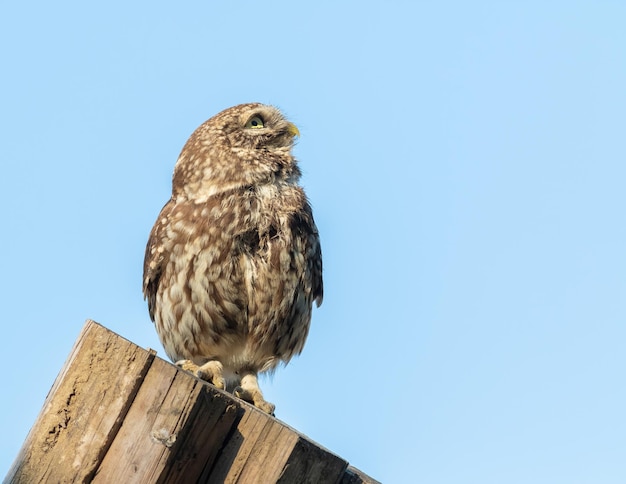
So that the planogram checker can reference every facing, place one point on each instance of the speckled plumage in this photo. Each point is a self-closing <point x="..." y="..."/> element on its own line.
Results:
<point x="233" y="262"/>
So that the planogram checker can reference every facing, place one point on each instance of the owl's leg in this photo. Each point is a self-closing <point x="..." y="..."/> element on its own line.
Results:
<point x="212" y="371"/>
<point x="249" y="391"/>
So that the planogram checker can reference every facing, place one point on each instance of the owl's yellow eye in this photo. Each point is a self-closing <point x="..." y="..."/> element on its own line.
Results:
<point x="255" y="122"/>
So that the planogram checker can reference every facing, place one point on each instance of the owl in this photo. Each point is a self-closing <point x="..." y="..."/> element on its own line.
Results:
<point x="233" y="263"/>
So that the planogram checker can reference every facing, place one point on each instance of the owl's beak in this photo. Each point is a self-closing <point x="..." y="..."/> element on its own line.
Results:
<point x="293" y="130"/>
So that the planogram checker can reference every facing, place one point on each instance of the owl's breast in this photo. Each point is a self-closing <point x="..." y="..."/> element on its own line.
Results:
<point x="275" y="267"/>
<point x="237" y="280"/>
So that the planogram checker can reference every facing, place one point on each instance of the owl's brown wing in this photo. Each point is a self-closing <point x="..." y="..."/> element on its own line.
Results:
<point x="155" y="258"/>
<point x="306" y="226"/>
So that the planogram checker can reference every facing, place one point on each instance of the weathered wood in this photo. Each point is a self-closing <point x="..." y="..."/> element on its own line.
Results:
<point x="355" y="476"/>
<point x="173" y="429"/>
<point x="263" y="449"/>
<point x="83" y="410"/>
<point x="118" y="414"/>
<point x="312" y="464"/>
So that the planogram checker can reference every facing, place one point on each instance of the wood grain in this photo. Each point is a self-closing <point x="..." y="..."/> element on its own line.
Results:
<point x="83" y="410"/>
<point x="118" y="414"/>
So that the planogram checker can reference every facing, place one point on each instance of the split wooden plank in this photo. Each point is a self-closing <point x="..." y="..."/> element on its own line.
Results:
<point x="118" y="414"/>
<point x="355" y="476"/>
<point x="83" y="409"/>
<point x="173" y="430"/>
<point x="263" y="449"/>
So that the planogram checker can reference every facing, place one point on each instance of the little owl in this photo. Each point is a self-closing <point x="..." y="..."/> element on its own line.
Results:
<point x="233" y="263"/>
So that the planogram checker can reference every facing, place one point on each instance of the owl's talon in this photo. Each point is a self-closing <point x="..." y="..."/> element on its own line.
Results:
<point x="241" y="393"/>
<point x="211" y="371"/>
<point x="250" y="392"/>
<point x="215" y="380"/>
<point x="187" y="365"/>
<point x="267" y="407"/>
<point x="259" y="402"/>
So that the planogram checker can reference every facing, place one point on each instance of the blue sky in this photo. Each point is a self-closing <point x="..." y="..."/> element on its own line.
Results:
<point x="465" y="163"/>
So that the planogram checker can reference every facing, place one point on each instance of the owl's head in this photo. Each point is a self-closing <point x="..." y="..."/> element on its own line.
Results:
<point x="243" y="146"/>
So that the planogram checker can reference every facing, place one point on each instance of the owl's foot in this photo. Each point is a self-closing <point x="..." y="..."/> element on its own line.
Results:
<point x="212" y="371"/>
<point x="249" y="391"/>
<point x="187" y="365"/>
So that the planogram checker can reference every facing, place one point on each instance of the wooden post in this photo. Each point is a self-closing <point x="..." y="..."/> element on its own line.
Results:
<point x="117" y="413"/>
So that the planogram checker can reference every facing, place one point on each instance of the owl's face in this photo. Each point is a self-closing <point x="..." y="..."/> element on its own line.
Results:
<point x="255" y="126"/>
<point x="246" y="145"/>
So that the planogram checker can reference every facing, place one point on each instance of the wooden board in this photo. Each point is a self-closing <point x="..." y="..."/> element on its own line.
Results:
<point x="116" y="413"/>
<point x="83" y="410"/>
<point x="173" y="429"/>
<point x="263" y="449"/>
